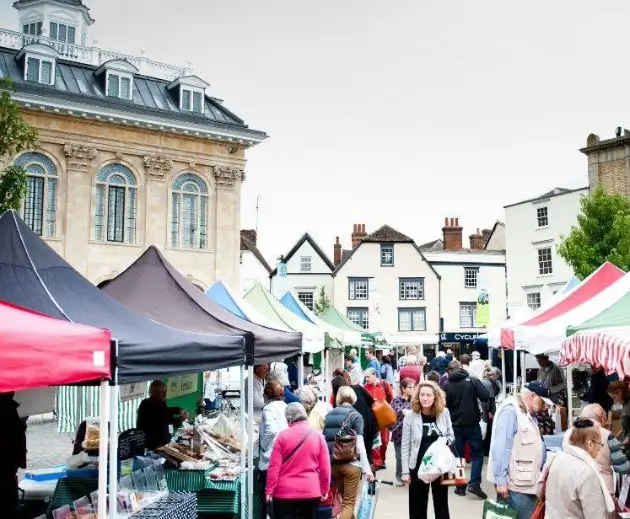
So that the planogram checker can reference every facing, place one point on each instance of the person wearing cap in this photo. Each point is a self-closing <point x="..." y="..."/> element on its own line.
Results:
<point x="517" y="450"/>
<point x="552" y="378"/>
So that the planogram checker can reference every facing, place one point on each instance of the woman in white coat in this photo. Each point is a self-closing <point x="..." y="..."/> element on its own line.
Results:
<point x="428" y="420"/>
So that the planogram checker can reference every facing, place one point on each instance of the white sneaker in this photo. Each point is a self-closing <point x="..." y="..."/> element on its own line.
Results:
<point x="399" y="483"/>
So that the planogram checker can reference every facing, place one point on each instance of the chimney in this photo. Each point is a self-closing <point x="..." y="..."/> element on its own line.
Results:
<point x="250" y="234"/>
<point x="337" y="252"/>
<point x="486" y="233"/>
<point x="477" y="241"/>
<point x="452" y="234"/>
<point x="358" y="233"/>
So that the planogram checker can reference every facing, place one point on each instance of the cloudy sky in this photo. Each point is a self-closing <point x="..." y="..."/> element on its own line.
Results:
<point x="399" y="112"/>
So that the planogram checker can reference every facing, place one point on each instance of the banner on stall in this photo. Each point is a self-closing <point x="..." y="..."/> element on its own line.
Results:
<point x="130" y="392"/>
<point x="483" y="300"/>
<point x="182" y="385"/>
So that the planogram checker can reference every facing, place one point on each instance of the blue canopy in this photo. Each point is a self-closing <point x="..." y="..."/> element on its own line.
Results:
<point x="289" y="301"/>
<point x="220" y="294"/>
<point x="571" y="284"/>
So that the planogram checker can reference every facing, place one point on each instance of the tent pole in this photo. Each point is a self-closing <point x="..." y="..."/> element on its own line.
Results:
<point x="102" y="451"/>
<point x="523" y="370"/>
<point x="301" y="371"/>
<point x="326" y="374"/>
<point x="250" y="443"/>
<point x="569" y="379"/>
<point x="515" y="369"/>
<point x="113" y="450"/>
<point x="503" y="374"/>
<point x="250" y="432"/>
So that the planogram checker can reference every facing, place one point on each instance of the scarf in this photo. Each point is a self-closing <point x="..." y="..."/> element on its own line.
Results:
<point x="588" y="459"/>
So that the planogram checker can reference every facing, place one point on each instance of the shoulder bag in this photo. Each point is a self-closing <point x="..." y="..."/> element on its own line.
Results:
<point x="345" y="445"/>
<point x="297" y="447"/>
<point x="539" y="509"/>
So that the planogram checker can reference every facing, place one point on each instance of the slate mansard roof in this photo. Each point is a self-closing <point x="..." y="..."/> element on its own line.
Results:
<point x="77" y="84"/>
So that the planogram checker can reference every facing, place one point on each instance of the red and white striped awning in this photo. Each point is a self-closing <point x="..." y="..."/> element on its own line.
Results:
<point x="545" y="331"/>
<point x="608" y="348"/>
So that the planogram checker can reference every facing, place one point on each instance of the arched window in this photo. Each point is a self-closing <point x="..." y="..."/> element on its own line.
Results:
<point x="39" y="207"/>
<point x="116" y="205"/>
<point x="189" y="212"/>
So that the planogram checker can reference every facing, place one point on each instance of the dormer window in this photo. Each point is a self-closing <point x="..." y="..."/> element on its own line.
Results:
<point x="39" y="62"/>
<point x="119" y="85"/>
<point x="191" y="100"/>
<point x="32" y="29"/>
<point x="117" y="78"/>
<point x="62" y="32"/>
<point x="190" y="91"/>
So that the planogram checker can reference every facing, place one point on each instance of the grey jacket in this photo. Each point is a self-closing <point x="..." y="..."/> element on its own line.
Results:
<point x="412" y="437"/>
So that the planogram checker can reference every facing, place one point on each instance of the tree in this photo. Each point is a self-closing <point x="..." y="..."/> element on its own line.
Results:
<point x="323" y="302"/>
<point x="15" y="136"/>
<point x="601" y="234"/>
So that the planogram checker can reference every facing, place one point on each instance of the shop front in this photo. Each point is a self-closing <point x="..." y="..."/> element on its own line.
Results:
<point x="464" y="342"/>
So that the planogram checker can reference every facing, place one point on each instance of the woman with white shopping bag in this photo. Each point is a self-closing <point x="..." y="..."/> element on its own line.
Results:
<point x="427" y="422"/>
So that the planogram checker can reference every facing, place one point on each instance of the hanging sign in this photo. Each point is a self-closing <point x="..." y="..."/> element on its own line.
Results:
<point x="133" y="391"/>
<point x="483" y="300"/>
<point x="182" y="385"/>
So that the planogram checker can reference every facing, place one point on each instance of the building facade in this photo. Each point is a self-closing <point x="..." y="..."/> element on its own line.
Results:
<point x="473" y="282"/>
<point x="253" y="265"/>
<point x="305" y="270"/>
<point x="609" y="162"/>
<point x="535" y="271"/>
<point x="385" y="284"/>
<point x="131" y="152"/>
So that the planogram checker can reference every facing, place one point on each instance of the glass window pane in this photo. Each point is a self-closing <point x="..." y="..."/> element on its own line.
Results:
<point x="62" y="32"/>
<point x="51" y="208"/>
<point x="131" y="215"/>
<point x="34" y="203"/>
<point x="71" y="35"/>
<point x="112" y="85"/>
<point x="46" y="72"/>
<point x="125" y="88"/>
<point x="175" y="219"/>
<point x="203" y="224"/>
<point x="185" y="99"/>
<point x="100" y="212"/>
<point x="53" y="30"/>
<point x="196" y="101"/>
<point x="115" y="214"/>
<point x="32" y="69"/>
<point x="189" y="221"/>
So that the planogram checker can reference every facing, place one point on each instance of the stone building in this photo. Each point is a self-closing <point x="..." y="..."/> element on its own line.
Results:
<point x="609" y="162"/>
<point x="131" y="152"/>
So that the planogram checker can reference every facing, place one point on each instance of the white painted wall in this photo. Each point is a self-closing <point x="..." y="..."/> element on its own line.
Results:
<point x="451" y="266"/>
<point x="297" y="281"/>
<point x="251" y="272"/>
<point x="524" y="238"/>
<point x="47" y="12"/>
<point x="497" y="239"/>
<point x="408" y="263"/>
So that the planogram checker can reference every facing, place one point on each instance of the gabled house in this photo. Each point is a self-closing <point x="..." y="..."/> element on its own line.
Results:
<point x="304" y="270"/>
<point x="253" y="265"/>
<point x="386" y="285"/>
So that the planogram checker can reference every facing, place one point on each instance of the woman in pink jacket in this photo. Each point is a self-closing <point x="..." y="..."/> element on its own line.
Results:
<point x="298" y="477"/>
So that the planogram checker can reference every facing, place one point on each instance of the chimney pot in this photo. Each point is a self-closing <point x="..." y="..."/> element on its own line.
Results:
<point x="452" y="234"/>
<point x="456" y="222"/>
<point x="446" y="221"/>
<point x="337" y="252"/>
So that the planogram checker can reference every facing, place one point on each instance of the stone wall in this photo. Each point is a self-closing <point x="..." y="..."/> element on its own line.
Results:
<point x="80" y="148"/>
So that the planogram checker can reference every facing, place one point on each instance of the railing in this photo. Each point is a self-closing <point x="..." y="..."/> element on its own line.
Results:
<point x="91" y="55"/>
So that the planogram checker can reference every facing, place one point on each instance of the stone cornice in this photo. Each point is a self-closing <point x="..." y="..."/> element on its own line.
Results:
<point x="79" y="156"/>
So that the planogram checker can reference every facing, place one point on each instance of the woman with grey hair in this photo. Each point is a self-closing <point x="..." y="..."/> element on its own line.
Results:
<point x="281" y="376"/>
<point x="315" y="409"/>
<point x="299" y="472"/>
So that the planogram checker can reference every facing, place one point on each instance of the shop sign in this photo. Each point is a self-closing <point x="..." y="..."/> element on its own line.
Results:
<point x="133" y="391"/>
<point x="459" y="337"/>
<point x="182" y="385"/>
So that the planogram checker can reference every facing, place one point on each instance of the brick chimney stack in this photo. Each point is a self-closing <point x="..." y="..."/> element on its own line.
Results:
<point x="337" y="252"/>
<point x="486" y="233"/>
<point x="250" y="234"/>
<point x="358" y="233"/>
<point x="477" y="241"/>
<point x="452" y="234"/>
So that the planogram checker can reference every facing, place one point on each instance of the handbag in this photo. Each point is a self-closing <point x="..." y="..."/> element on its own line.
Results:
<point x="345" y="445"/>
<point x="539" y="509"/>
<point x="384" y="414"/>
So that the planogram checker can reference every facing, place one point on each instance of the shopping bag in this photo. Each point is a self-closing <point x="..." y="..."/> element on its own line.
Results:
<point x="458" y="476"/>
<point x="493" y="510"/>
<point x="484" y="429"/>
<point x="366" y="503"/>
<point x="437" y="460"/>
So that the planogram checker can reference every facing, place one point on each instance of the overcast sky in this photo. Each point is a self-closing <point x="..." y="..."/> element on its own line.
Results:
<point x="396" y="112"/>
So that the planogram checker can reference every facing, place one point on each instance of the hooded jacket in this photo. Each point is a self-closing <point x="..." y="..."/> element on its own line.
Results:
<point x="463" y="394"/>
<point x="12" y="436"/>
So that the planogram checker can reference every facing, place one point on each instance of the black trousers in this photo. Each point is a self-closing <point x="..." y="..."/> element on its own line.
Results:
<point x="295" y="508"/>
<point x="261" y="484"/>
<point x="419" y="498"/>
<point x="9" y="498"/>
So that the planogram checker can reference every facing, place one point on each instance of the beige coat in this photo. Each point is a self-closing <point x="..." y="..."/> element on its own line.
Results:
<point x="604" y="463"/>
<point x="573" y="489"/>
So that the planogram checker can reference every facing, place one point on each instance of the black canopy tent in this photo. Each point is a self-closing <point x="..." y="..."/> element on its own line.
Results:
<point x="153" y="287"/>
<point x="34" y="276"/>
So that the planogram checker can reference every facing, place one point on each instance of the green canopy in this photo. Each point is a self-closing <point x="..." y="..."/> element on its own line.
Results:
<point x="616" y="315"/>
<point x="336" y="318"/>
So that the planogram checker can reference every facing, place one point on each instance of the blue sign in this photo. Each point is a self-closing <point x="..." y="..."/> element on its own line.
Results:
<point x="282" y="270"/>
<point x="459" y="337"/>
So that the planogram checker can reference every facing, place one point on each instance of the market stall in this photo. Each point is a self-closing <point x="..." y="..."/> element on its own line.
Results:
<point x="32" y="345"/>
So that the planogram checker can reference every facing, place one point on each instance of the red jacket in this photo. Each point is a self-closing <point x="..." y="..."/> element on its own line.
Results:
<point x="307" y="474"/>
<point x="381" y="391"/>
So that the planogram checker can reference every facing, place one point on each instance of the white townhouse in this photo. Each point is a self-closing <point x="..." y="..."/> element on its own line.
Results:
<point x="307" y="270"/>
<point x="465" y="274"/>
<point x="386" y="285"/>
<point x="534" y="227"/>
<point x="253" y="265"/>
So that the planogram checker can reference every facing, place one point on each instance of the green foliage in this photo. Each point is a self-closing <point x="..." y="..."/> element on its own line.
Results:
<point x="322" y="304"/>
<point x="601" y="234"/>
<point x="15" y="136"/>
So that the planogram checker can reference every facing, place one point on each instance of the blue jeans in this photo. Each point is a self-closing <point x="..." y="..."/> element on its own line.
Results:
<point x="471" y="435"/>
<point x="524" y="504"/>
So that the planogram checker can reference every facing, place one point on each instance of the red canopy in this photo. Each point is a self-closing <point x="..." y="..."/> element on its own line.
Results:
<point x="37" y="350"/>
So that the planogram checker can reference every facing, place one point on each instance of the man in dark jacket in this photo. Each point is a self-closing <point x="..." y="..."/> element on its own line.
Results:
<point x="156" y="419"/>
<point x="463" y="396"/>
<point x="13" y="440"/>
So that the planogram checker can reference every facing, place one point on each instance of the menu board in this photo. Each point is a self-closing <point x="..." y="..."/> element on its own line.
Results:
<point x="182" y="385"/>
<point x="131" y="443"/>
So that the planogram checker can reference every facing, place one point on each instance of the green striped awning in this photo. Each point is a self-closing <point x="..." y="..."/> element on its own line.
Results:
<point x="75" y="404"/>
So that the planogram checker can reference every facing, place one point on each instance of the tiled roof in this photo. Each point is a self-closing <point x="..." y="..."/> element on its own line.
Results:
<point x="69" y="2"/>
<point x="556" y="191"/>
<point x="249" y="245"/>
<point x="387" y="234"/>
<point x="77" y="82"/>
<point x="432" y="246"/>
<point x="307" y="237"/>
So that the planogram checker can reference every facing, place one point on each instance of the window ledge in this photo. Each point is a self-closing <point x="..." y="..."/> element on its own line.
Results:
<point x="545" y="276"/>
<point x="53" y="239"/>
<point x="115" y="243"/>
<point x="185" y="249"/>
<point x="543" y="228"/>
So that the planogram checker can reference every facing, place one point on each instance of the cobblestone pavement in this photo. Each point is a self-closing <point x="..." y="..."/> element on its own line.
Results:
<point x="46" y="447"/>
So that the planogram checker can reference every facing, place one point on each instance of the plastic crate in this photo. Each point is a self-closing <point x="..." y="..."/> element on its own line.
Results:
<point x="46" y="474"/>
